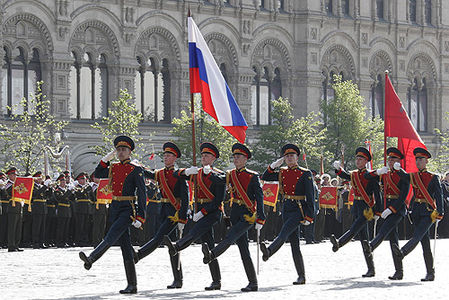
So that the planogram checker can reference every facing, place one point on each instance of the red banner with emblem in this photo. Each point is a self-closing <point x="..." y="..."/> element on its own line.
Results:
<point x="104" y="192"/>
<point x="328" y="197"/>
<point x="22" y="189"/>
<point x="270" y="194"/>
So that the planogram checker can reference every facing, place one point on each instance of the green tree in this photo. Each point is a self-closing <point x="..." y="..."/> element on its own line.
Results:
<point x="440" y="160"/>
<point x="348" y="125"/>
<point x="123" y="119"/>
<point x="26" y="134"/>
<point x="306" y="132"/>
<point x="206" y="130"/>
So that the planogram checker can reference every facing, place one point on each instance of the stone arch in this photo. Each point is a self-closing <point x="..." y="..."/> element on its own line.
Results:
<point x="343" y="35"/>
<point x="102" y="33"/>
<point x="338" y="59"/>
<point x="421" y="65"/>
<point x="379" y="62"/>
<point x="214" y="21"/>
<point x="271" y="53"/>
<point x="228" y="47"/>
<point x="91" y="7"/>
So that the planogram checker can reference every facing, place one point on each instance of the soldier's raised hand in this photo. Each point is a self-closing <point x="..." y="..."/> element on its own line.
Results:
<point x="381" y="171"/>
<point x="191" y="171"/>
<point x="137" y="223"/>
<point x="397" y="165"/>
<point x="197" y="216"/>
<point x="337" y="165"/>
<point x="108" y="156"/>
<point x="277" y="163"/>
<point x="258" y="226"/>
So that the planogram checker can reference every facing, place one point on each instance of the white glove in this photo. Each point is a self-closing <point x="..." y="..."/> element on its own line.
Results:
<point x="376" y="217"/>
<point x="191" y="170"/>
<point x="109" y="156"/>
<point x="181" y="226"/>
<point x="397" y="166"/>
<point x="258" y="226"/>
<point x="136" y="223"/>
<point x="386" y="213"/>
<point x="47" y="182"/>
<point x="70" y="186"/>
<point x="337" y="165"/>
<point x="207" y="169"/>
<point x="197" y="216"/>
<point x="277" y="163"/>
<point x="306" y="223"/>
<point x="383" y="170"/>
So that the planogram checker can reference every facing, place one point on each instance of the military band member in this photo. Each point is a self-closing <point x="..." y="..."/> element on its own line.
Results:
<point x="296" y="188"/>
<point x="427" y="208"/>
<point x="14" y="210"/>
<point x="84" y="198"/>
<point x="39" y="210"/>
<point x="127" y="182"/>
<point x="209" y="196"/>
<point x="100" y="212"/>
<point x="175" y="200"/>
<point x="395" y="189"/>
<point x="51" y="224"/>
<point x="365" y="207"/>
<point x="3" y="212"/>
<point x="63" y="196"/>
<point x="246" y="211"/>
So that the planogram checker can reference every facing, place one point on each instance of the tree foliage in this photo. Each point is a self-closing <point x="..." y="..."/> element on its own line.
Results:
<point x="348" y="125"/>
<point x="440" y="160"/>
<point x="24" y="138"/>
<point x="306" y="132"/>
<point x="206" y="130"/>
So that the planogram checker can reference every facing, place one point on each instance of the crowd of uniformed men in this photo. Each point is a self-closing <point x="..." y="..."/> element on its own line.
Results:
<point x="227" y="208"/>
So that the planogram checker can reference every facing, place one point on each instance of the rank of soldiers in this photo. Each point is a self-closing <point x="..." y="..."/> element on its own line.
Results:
<point x="41" y="213"/>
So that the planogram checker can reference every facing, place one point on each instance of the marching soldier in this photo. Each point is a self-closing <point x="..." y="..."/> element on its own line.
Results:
<point x="128" y="185"/>
<point x="296" y="188"/>
<point x="209" y="196"/>
<point x="39" y="210"/>
<point x="175" y="200"/>
<point x="62" y="196"/>
<point x="365" y="208"/>
<point x="3" y="211"/>
<point x="427" y="208"/>
<point x="395" y="187"/>
<point x="83" y="198"/>
<point x="247" y="210"/>
<point x="14" y="210"/>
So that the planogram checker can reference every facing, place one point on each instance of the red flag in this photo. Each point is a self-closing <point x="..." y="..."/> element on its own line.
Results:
<point x="398" y="124"/>
<point x="151" y="157"/>
<point x="270" y="194"/>
<point x="328" y="197"/>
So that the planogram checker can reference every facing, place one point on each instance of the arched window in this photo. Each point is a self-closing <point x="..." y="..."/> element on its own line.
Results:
<point x="6" y="82"/>
<point x="223" y="71"/>
<point x="281" y="5"/>
<point x="276" y="85"/>
<point x="377" y="98"/>
<point x="412" y="10"/>
<point x="417" y="105"/>
<point x="380" y="9"/>
<point x="75" y="85"/>
<point x="86" y="94"/>
<point x="101" y="88"/>
<point x="328" y="7"/>
<point x="153" y="90"/>
<point x="428" y="11"/>
<point x="345" y="7"/>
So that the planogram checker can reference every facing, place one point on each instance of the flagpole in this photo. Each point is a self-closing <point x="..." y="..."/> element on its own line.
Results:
<point x="385" y="109"/>
<point x="192" y="111"/>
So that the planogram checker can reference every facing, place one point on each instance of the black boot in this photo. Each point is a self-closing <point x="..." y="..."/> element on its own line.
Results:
<point x="369" y="259"/>
<point x="252" y="277"/>
<point x="131" y="277"/>
<point x="171" y="248"/>
<point x="334" y="242"/>
<point x="398" y="274"/>
<point x="397" y="251"/>
<point x="95" y="255"/>
<point x="216" y="276"/>
<point x="208" y="255"/>
<point x="177" y="273"/>
<point x="265" y="252"/>
<point x="299" y="265"/>
<point x="428" y="259"/>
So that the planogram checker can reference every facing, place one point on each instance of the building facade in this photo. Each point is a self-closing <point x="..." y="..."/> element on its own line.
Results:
<point x="87" y="50"/>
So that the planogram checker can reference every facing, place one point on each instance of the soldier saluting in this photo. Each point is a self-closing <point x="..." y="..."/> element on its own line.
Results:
<point x="365" y="207"/>
<point x="128" y="186"/>
<point x="427" y="208"/>
<point x="175" y="200"/>
<point x="247" y="210"/>
<point x="296" y="188"/>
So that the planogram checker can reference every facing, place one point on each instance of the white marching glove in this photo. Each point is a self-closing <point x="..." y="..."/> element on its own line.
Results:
<point x="306" y="223"/>
<point x="376" y="217"/>
<point x="197" y="216"/>
<point x="277" y="163"/>
<point x="181" y="226"/>
<point x="397" y="166"/>
<point x="258" y="226"/>
<point x="136" y="223"/>
<point x="381" y="171"/>
<point x="207" y="169"/>
<point x="47" y="182"/>
<point x="108" y="156"/>
<point x="192" y="170"/>
<point x="386" y="213"/>
<point x="337" y="165"/>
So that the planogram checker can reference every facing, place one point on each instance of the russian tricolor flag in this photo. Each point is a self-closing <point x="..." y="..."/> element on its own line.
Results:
<point x="206" y="78"/>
